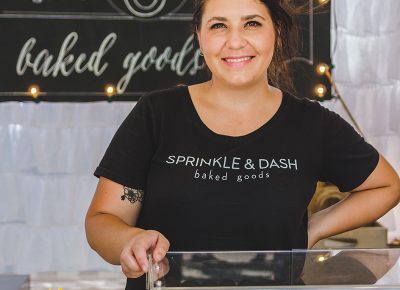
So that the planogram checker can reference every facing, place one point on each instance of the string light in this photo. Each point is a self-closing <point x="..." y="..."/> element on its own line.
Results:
<point x="323" y="1"/>
<point x="320" y="90"/>
<point x="321" y="259"/>
<point x="34" y="91"/>
<point x="110" y="90"/>
<point x="322" y="69"/>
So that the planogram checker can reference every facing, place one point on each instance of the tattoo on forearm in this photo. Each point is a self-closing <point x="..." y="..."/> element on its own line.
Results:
<point x="133" y="195"/>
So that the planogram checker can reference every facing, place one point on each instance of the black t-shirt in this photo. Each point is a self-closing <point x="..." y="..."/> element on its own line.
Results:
<point x="205" y="191"/>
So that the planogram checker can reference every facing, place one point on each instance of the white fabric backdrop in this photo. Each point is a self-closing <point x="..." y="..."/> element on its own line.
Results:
<point x="49" y="151"/>
<point x="48" y="154"/>
<point x="366" y="46"/>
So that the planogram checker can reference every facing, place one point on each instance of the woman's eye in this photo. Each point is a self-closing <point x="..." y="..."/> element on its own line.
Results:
<point x="217" y="26"/>
<point x="253" y="24"/>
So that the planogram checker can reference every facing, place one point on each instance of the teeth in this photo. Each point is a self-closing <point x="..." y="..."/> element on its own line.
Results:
<point x="238" y="59"/>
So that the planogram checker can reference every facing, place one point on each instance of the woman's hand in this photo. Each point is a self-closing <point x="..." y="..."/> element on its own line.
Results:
<point x="133" y="257"/>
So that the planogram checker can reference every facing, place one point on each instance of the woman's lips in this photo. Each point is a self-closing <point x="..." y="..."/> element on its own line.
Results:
<point x="237" y="61"/>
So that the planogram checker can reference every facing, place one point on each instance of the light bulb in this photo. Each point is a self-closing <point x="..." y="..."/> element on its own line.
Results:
<point x="320" y="90"/>
<point x="34" y="91"/>
<point x="110" y="90"/>
<point x="322" y="68"/>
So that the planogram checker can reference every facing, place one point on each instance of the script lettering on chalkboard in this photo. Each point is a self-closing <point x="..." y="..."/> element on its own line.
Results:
<point x="46" y="64"/>
<point x="66" y="63"/>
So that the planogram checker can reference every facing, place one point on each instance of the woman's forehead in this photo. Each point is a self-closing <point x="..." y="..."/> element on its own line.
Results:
<point x="233" y="8"/>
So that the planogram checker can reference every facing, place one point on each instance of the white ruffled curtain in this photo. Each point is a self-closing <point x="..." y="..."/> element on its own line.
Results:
<point x="365" y="52"/>
<point x="49" y="151"/>
<point x="48" y="154"/>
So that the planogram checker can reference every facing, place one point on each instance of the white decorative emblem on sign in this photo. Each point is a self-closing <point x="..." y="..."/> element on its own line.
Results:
<point x="141" y="10"/>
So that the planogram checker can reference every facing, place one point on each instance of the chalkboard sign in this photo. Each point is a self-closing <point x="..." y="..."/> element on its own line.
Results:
<point x="73" y="49"/>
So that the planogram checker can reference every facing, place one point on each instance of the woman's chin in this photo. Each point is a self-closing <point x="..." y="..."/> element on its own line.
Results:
<point x="240" y="82"/>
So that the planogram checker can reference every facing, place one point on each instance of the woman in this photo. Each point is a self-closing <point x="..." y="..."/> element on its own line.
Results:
<point x="232" y="163"/>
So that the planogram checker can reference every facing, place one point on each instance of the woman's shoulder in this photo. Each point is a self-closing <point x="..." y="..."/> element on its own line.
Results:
<point x="306" y="105"/>
<point x="302" y="101"/>
<point x="165" y="96"/>
<point x="310" y="111"/>
<point x="161" y="101"/>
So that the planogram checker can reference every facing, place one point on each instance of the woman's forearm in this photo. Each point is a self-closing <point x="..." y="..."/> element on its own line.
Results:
<point x="356" y="210"/>
<point x="107" y="235"/>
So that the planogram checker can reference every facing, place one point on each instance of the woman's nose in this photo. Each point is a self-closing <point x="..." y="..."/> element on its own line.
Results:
<point x="236" y="39"/>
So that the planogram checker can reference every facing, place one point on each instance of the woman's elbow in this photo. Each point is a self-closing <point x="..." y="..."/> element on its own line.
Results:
<point x="392" y="193"/>
<point x="90" y="224"/>
<point x="396" y="191"/>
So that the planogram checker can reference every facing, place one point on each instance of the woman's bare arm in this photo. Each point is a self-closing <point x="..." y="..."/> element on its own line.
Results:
<point x="367" y="203"/>
<point x="110" y="220"/>
<point x="111" y="232"/>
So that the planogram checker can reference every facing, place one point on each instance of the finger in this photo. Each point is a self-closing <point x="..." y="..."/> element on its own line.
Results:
<point x="163" y="267"/>
<point x="129" y="261"/>
<point x="140" y="248"/>
<point x="130" y="274"/>
<point x="161" y="248"/>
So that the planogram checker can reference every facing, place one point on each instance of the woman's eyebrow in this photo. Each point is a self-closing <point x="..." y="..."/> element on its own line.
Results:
<point x="218" y="18"/>
<point x="249" y="17"/>
<point x="244" y="18"/>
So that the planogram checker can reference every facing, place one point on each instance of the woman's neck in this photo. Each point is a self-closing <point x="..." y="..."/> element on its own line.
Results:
<point x="240" y="98"/>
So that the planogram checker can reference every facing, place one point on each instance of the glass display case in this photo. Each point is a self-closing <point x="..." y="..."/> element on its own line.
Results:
<point x="314" y="269"/>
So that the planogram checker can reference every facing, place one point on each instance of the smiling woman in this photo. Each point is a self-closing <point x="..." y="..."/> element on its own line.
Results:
<point x="275" y="20"/>
<point x="232" y="163"/>
<point x="239" y="49"/>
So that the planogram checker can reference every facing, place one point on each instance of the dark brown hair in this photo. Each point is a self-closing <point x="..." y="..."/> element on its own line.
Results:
<point x="286" y="38"/>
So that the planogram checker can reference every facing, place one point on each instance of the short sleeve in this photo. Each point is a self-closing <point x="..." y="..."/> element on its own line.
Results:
<point x="128" y="157"/>
<point x="347" y="159"/>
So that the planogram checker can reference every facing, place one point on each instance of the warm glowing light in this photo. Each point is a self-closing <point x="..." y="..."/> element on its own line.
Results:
<point x="323" y="1"/>
<point x="321" y="259"/>
<point x="110" y="90"/>
<point x="320" y="90"/>
<point x="322" y="68"/>
<point x="34" y="91"/>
